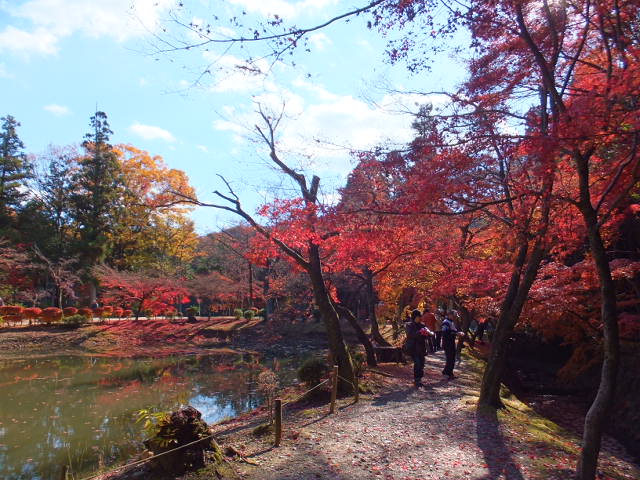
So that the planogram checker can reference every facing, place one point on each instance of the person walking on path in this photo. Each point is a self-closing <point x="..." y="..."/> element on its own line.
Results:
<point x="417" y="345"/>
<point x="449" y="334"/>
<point x="429" y="321"/>
<point x="438" y="330"/>
<point x="482" y="326"/>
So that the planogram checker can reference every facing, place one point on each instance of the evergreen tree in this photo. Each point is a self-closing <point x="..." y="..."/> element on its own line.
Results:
<point x="47" y="220"/>
<point x="99" y="188"/>
<point x="14" y="170"/>
<point x="56" y="194"/>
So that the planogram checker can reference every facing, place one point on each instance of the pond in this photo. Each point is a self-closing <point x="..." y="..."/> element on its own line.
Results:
<point x="80" y="411"/>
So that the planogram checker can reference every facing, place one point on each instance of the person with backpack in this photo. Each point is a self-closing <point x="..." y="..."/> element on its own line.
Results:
<point x="416" y="345"/>
<point x="449" y="334"/>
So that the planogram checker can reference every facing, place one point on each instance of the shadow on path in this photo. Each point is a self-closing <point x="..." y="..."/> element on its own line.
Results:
<point x="394" y="396"/>
<point x="494" y="447"/>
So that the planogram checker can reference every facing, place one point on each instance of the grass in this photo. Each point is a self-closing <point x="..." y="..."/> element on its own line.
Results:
<point x="552" y="450"/>
<point x="230" y="324"/>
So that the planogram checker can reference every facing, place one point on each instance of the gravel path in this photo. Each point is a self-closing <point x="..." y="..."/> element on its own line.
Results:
<point x="404" y="433"/>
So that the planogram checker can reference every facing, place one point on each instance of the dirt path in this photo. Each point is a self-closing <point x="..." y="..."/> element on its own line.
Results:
<point x="431" y="433"/>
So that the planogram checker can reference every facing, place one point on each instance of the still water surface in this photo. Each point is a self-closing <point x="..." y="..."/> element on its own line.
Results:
<point x="80" y="411"/>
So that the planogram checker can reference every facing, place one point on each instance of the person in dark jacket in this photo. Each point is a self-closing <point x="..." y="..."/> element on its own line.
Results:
<point x="449" y="334"/>
<point x="417" y="345"/>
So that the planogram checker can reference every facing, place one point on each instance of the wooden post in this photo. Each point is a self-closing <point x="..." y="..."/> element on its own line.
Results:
<point x="63" y="474"/>
<point x="278" y="418"/>
<point x="334" y="389"/>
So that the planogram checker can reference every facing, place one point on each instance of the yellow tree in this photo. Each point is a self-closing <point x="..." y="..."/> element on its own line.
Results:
<point x="154" y="229"/>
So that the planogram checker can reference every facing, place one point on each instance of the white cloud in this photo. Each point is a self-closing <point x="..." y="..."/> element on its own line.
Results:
<point x="52" y="20"/>
<point x="320" y="41"/>
<point x="149" y="132"/>
<point x="57" y="110"/>
<point x="283" y="8"/>
<point x="202" y="148"/>
<point x="320" y="91"/>
<point x="230" y="74"/>
<point x="323" y="128"/>
<point x="18" y="41"/>
<point x="330" y="129"/>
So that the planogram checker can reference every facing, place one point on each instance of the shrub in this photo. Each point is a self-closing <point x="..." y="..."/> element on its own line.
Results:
<point x="13" y="318"/>
<point x="107" y="311"/>
<point x="51" y="314"/>
<point x="238" y="313"/>
<point x="86" y="312"/>
<point x="74" y="320"/>
<point x="312" y="370"/>
<point x="117" y="312"/>
<point x="11" y="310"/>
<point x="32" y="313"/>
<point x="268" y="386"/>
<point x="358" y="358"/>
<point x="249" y="314"/>
<point x="69" y="311"/>
<point x="193" y="311"/>
<point x="127" y="314"/>
<point x="170" y="312"/>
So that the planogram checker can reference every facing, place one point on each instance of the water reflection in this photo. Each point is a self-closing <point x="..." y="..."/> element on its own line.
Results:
<point x="79" y="411"/>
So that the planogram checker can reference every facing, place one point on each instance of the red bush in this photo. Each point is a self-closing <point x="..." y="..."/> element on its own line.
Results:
<point x="87" y="312"/>
<point x="127" y="313"/>
<point x="51" y="314"/>
<point x="10" y="310"/>
<point x="12" y="318"/>
<point x="31" y="313"/>
<point x="69" y="311"/>
<point x="117" y="312"/>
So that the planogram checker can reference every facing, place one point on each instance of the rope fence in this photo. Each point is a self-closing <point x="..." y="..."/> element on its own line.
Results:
<point x="278" y="409"/>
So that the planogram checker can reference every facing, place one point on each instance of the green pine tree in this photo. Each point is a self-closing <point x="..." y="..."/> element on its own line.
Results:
<point x="99" y="188"/>
<point x="15" y="170"/>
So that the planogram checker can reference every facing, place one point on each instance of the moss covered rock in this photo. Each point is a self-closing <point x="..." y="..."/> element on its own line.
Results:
<point x="183" y="442"/>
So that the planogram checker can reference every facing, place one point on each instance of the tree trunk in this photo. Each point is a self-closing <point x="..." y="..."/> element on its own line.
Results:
<point x="250" y="285"/>
<point x="514" y="301"/>
<point x="93" y="292"/>
<point x="268" y="304"/>
<point x="58" y="297"/>
<point x="339" y="354"/>
<point x="464" y="327"/>
<point x="362" y="337"/>
<point x="371" y="307"/>
<point x="597" y="415"/>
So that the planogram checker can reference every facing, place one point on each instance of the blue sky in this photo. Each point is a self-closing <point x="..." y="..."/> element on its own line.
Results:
<point x="59" y="59"/>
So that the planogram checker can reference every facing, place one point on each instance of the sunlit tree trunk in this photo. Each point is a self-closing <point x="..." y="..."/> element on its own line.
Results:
<point x="340" y="355"/>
